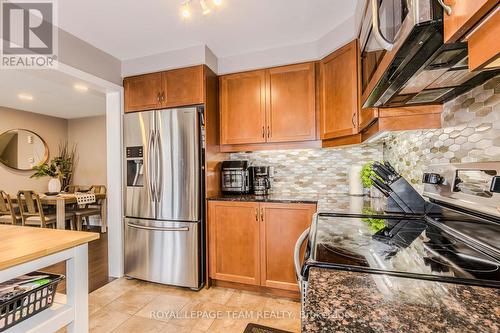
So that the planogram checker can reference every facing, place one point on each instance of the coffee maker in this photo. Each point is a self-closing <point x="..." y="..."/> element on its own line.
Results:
<point x="262" y="179"/>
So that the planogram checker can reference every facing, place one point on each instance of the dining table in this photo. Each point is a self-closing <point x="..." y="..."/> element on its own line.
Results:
<point x="62" y="200"/>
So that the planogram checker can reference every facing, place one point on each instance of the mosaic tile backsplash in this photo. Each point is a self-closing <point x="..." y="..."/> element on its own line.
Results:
<point x="470" y="133"/>
<point x="314" y="171"/>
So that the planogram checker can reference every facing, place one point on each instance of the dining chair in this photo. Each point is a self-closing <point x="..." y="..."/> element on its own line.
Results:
<point x="72" y="188"/>
<point x="32" y="212"/>
<point x="95" y="209"/>
<point x="83" y="214"/>
<point x="8" y="214"/>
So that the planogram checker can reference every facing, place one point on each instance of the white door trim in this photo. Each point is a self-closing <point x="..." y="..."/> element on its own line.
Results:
<point x="114" y="112"/>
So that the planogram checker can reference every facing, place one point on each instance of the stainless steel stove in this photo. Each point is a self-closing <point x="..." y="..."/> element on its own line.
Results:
<point x="453" y="236"/>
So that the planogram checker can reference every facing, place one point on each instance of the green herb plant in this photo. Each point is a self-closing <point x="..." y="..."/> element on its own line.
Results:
<point x="61" y="167"/>
<point x="366" y="172"/>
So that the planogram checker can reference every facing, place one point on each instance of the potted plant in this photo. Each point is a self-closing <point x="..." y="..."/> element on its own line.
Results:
<point x="59" y="169"/>
<point x="366" y="173"/>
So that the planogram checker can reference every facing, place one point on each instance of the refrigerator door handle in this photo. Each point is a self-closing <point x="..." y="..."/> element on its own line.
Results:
<point x="151" y="173"/>
<point x="159" y="166"/>
<point x="136" y="226"/>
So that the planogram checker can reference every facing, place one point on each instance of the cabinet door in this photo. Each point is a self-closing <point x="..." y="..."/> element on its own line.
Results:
<point x="339" y="93"/>
<point x="464" y="15"/>
<point x="142" y="92"/>
<point x="291" y="111"/>
<point x="183" y="87"/>
<point x="242" y="108"/>
<point x="484" y="49"/>
<point x="282" y="226"/>
<point x="234" y="251"/>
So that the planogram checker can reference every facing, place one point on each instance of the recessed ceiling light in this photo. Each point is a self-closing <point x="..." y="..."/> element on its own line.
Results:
<point x="80" y="87"/>
<point x="217" y="2"/>
<point x="25" y="97"/>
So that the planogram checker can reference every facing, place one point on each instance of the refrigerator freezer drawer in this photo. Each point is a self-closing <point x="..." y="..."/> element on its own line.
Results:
<point x="163" y="252"/>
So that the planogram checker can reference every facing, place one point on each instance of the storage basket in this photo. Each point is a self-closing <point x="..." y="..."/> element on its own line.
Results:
<point x="23" y="306"/>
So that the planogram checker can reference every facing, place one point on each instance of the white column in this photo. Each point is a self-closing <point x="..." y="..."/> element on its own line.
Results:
<point x="77" y="289"/>
<point x="114" y="176"/>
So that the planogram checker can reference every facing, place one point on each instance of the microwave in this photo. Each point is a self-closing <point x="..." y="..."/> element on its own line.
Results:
<point x="404" y="60"/>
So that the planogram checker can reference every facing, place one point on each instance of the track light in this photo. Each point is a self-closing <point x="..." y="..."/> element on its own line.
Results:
<point x="186" y="10"/>
<point x="204" y="8"/>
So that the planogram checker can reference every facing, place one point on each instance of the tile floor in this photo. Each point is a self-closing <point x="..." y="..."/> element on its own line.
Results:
<point x="134" y="306"/>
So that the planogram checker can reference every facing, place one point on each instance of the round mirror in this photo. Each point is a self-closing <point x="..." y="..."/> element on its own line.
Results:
<point x="22" y="149"/>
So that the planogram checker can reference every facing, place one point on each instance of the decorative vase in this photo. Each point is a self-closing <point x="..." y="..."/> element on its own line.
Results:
<point x="54" y="185"/>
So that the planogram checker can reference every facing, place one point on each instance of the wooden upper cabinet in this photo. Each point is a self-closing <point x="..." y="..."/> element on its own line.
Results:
<point x="464" y="15"/>
<point x="183" y="87"/>
<point x="243" y="108"/>
<point x="484" y="48"/>
<point x="282" y="224"/>
<point x="339" y="92"/>
<point x="234" y="248"/>
<point x="291" y="111"/>
<point x="178" y="87"/>
<point x="142" y="92"/>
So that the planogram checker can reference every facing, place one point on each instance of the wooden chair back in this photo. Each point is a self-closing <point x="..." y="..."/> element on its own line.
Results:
<point x="72" y="188"/>
<point x="98" y="189"/>
<point x="6" y="207"/>
<point x="30" y="205"/>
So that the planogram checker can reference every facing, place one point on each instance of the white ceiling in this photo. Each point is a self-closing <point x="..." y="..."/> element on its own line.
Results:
<point x="129" y="29"/>
<point x="53" y="94"/>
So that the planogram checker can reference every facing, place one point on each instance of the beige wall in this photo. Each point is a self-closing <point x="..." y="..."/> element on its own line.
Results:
<point x="52" y="130"/>
<point x="89" y="134"/>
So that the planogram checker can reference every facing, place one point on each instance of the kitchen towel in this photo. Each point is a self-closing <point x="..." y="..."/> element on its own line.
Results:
<point x="84" y="198"/>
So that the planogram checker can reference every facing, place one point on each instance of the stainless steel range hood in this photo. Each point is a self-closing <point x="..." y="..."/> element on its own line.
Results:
<point x="414" y="67"/>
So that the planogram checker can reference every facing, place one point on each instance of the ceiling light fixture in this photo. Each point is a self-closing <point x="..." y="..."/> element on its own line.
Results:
<point x="205" y="8"/>
<point x="25" y="97"/>
<point x="186" y="10"/>
<point x="80" y="87"/>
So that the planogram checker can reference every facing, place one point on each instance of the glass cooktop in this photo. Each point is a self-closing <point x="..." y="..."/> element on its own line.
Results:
<point x="413" y="246"/>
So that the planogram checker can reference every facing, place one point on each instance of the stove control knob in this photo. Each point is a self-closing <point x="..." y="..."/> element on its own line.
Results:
<point x="432" y="178"/>
<point x="495" y="185"/>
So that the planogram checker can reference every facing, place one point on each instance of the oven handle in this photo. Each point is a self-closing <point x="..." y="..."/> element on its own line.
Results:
<point x="296" y="256"/>
<point x="446" y="8"/>
<point x="376" y="28"/>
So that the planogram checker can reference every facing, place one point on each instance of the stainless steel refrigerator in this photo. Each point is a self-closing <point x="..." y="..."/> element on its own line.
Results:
<point x="163" y="196"/>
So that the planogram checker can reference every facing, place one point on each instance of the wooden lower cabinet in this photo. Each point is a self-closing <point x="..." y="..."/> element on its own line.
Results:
<point x="281" y="226"/>
<point x="253" y="243"/>
<point x="234" y="248"/>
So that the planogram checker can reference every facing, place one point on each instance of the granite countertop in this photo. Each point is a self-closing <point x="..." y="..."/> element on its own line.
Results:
<point x="327" y="202"/>
<point x="341" y="301"/>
